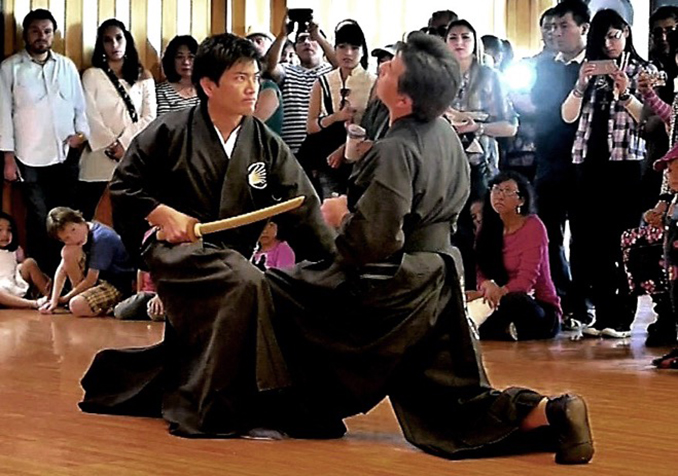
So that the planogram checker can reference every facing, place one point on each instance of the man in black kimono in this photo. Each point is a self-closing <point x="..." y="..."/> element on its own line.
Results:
<point x="202" y="164"/>
<point x="386" y="316"/>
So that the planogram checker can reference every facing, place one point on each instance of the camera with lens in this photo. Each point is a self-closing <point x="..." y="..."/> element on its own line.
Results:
<point x="301" y="16"/>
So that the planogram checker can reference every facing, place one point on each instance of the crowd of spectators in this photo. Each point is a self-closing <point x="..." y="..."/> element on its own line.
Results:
<point x="572" y="142"/>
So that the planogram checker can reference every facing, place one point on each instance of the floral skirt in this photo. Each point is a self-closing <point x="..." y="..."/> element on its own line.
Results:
<point x="643" y="256"/>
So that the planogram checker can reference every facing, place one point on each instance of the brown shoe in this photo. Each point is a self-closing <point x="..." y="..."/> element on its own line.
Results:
<point x="568" y="417"/>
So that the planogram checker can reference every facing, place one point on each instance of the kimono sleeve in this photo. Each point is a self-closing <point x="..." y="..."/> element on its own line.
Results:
<point x="304" y="228"/>
<point x="374" y="229"/>
<point x="136" y="185"/>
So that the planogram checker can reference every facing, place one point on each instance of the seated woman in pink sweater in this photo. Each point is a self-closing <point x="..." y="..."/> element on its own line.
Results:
<point x="513" y="272"/>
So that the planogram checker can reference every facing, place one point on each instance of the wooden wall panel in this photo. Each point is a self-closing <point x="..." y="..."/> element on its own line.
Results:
<point x="218" y="16"/>
<point x="76" y="33"/>
<point x="278" y="12"/>
<point x="169" y="22"/>
<point x="107" y="9"/>
<point x="200" y="19"/>
<point x="138" y="23"/>
<point x="238" y="14"/>
<point x="522" y="22"/>
<point x="74" y="44"/>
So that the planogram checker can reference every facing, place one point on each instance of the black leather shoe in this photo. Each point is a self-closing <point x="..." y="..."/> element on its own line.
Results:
<point x="569" y="419"/>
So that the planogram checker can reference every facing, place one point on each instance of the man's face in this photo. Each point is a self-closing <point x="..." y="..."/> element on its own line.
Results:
<point x="389" y="76"/>
<point x="547" y="28"/>
<point x="660" y="32"/>
<point x="40" y="36"/>
<point x="236" y="92"/>
<point x="568" y="35"/>
<point x="307" y="50"/>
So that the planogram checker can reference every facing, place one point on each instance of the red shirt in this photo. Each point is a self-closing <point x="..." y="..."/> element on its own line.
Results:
<point x="526" y="259"/>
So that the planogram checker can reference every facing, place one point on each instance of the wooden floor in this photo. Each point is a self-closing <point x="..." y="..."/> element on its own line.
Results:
<point x="42" y="432"/>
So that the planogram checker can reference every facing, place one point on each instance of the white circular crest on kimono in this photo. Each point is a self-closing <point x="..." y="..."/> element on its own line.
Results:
<point x="256" y="175"/>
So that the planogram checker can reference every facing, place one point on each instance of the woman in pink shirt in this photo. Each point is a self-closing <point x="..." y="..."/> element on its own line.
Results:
<point x="513" y="272"/>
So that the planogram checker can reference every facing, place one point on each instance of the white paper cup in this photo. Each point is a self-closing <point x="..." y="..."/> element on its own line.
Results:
<point x="355" y="135"/>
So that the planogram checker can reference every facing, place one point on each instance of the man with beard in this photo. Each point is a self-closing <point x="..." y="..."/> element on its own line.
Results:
<point x="42" y="124"/>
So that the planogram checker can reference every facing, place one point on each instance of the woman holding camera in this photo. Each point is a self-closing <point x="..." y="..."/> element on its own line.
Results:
<point x="121" y="102"/>
<point x="338" y="98"/>
<point x="608" y="153"/>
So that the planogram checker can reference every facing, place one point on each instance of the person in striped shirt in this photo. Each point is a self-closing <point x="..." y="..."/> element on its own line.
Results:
<point x="296" y="81"/>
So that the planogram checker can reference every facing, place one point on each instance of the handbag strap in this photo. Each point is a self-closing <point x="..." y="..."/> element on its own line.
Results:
<point x="327" y="97"/>
<point x="123" y="93"/>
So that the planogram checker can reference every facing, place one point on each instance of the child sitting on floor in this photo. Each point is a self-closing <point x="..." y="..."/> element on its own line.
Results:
<point x="93" y="260"/>
<point x="271" y="251"/>
<point x="16" y="273"/>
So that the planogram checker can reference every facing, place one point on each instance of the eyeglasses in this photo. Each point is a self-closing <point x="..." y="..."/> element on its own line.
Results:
<point x="616" y="35"/>
<point x="504" y="192"/>
<point x="659" y="31"/>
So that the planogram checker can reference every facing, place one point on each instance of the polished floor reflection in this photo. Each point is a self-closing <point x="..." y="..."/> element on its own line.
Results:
<point x="42" y="358"/>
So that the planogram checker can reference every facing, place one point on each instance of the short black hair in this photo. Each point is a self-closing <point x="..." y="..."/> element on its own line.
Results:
<point x="173" y="46"/>
<point x="446" y="15"/>
<point x="580" y="11"/>
<point x="13" y="245"/>
<point x="37" y="15"/>
<point x="131" y="66"/>
<point x="664" y="13"/>
<point x="549" y="12"/>
<point x="218" y="53"/>
<point x="349" y="32"/>
<point x="432" y="75"/>
<point x="491" y="42"/>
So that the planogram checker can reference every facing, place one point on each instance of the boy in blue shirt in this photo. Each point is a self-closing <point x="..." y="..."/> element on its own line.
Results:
<point x="93" y="260"/>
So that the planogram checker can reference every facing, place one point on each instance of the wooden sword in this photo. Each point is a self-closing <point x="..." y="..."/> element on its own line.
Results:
<point x="196" y="230"/>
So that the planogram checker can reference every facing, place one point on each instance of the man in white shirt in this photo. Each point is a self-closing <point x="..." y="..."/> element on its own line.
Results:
<point x="42" y="126"/>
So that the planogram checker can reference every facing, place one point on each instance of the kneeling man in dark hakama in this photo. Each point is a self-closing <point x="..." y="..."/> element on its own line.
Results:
<point x="206" y="163"/>
<point x="385" y="317"/>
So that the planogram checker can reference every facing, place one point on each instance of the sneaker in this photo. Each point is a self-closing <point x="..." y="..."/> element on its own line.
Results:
<point x="569" y="419"/>
<point x="615" y="334"/>
<point x="571" y="324"/>
<point x="591" y="332"/>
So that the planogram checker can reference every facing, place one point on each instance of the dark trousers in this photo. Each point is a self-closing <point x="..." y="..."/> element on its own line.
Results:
<point x="554" y="206"/>
<point x="464" y="237"/>
<point x="607" y="204"/>
<point x="44" y="188"/>
<point x="532" y="319"/>
<point x="89" y="194"/>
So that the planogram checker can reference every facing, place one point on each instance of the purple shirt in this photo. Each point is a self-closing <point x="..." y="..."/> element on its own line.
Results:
<point x="280" y="256"/>
<point x="526" y="258"/>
